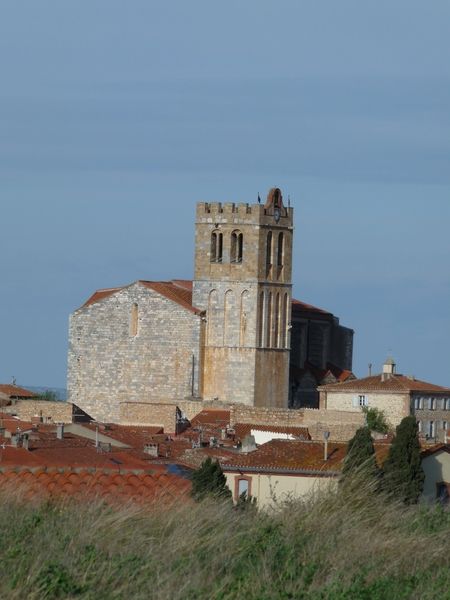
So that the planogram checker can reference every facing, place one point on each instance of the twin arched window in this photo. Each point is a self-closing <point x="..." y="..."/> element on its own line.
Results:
<point x="236" y="247"/>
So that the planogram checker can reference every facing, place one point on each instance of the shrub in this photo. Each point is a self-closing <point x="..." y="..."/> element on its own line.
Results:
<point x="209" y="480"/>
<point x="403" y="476"/>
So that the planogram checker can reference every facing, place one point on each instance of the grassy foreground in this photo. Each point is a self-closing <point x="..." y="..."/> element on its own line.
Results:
<point x="334" y="546"/>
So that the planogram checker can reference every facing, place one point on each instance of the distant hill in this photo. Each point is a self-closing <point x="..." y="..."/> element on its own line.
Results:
<point x="61" y="393"/>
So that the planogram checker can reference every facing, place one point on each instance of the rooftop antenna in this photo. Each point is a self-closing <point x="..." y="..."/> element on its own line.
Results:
<point x="13" y="380"/>
<point x="370" y="369"/>
<point x="289" y="201"/>
<point x="259" y="199"/>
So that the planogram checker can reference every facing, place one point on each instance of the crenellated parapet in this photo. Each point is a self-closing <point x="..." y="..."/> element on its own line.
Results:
<point x="223" y="212"/>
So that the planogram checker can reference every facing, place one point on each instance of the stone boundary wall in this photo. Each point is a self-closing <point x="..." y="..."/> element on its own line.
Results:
<point x="49" y="411"/>
<point x="342" y="425"/>
<point x="281" y="417"/>
<point x="150" y="414"/>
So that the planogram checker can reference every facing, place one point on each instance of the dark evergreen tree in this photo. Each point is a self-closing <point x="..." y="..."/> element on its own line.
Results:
<point x="360" y="458"/>
<point x="209" y="480"/>
<point x="403" y="474"/>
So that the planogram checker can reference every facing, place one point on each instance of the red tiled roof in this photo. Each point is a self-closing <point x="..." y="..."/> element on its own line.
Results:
<point x="100" y="295"/>
<point x="299" y="306"/>
<point x="180" y="291"/>
<point x="12" y="424"/>
<point x="320" y="374"/>
<point x="395" y="383"/>
<point x="244" y="429"/>
<point x="211" y="416"/>
<point x="298" y="455"/>
<point x="15" y="390"/>
<point x="171" y="291"/>
<point x="132" y="435"/>
<point x="433" y="449"/>
<point x="83" y="484"/>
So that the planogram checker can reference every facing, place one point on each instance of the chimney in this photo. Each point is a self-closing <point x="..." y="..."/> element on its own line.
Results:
<point x="388" y="369"/>
<point x="248" y="444"/>
<point x="151" y="449"/>
<point x="60" y="431"/>
<point x="25" y="441"/>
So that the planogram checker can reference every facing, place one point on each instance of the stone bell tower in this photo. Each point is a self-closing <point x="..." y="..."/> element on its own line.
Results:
<point x="243" y="270"/>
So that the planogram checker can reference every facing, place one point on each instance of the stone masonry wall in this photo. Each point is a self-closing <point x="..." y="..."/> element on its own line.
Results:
<point x="342" y="425"/>
<point x="143" y="413"/>
<point x="394" y="406"/>
<point x="108" y="365"/>
<point x="49" y="411"/>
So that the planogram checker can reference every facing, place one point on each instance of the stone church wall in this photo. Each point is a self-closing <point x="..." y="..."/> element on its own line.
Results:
<point x="110" y="363"/>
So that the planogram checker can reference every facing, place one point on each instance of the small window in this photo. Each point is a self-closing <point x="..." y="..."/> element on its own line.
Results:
<point x="445" y="425"/>
<point x="134" y="321"/>
<point x="417" y="403"/>
<point x="447" y="404"/>
<point x="243" y="488"/>
<point x="363" y="400"/>
<point x="432" y="429"/>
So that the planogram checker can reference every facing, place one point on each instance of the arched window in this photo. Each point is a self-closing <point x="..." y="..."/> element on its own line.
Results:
<point x="134" y="320"/>
<point x="245" y="313"/>
<point x="284" y="323"/>
<point x="236" y="250"/>
<point x="276" y="322"/>
<point x="280" y="250"/>
<point x="216" y="246"/>
<point x="261" y="320"/>
<point x="268" y="253"/>
<point x="269" y="318"/>
<point x="214" y="327"/>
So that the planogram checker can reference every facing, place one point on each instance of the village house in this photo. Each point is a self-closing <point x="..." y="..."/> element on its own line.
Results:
<point x="397" y="396"/>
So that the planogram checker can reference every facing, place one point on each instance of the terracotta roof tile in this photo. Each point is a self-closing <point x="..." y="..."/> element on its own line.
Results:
<point x="297" y="455"/>
<point x="16" y="391"/>
<point x="395" y="383"/>
<point x="87" y="484"/>
<point x="180" y="291"/>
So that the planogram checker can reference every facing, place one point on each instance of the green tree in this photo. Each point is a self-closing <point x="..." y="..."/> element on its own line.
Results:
<point x="403" y="474"/>
<point x="360" y="458"/>
<point x="209" y="480"/>
<point x="48" y="395"/>
<point x="376" y="420"/>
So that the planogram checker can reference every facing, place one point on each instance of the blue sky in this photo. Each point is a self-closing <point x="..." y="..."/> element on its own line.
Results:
<point x="115" y="117"/>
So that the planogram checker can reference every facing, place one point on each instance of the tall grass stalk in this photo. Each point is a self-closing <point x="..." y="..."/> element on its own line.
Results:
<point x="344" y="543"/>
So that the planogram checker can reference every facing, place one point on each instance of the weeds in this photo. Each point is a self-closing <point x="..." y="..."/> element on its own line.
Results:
<point x="342" y="544"/>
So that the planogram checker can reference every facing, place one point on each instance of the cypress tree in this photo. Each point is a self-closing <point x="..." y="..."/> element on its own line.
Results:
<point x="403" y="474"/>
<point x="209" y="480"/>
<point x="360" y="456"/>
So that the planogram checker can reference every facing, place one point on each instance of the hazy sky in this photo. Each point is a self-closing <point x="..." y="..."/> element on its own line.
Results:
<point x="117" y="117"/>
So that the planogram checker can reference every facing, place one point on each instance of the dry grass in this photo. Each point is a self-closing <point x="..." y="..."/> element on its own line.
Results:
<point x="338" y="545"/>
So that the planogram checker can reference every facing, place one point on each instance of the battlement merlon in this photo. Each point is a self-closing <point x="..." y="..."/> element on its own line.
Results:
<point x="226" y="212"/>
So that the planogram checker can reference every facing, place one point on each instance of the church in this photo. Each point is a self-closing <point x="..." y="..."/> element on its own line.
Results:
<point x="232" y="335"/>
